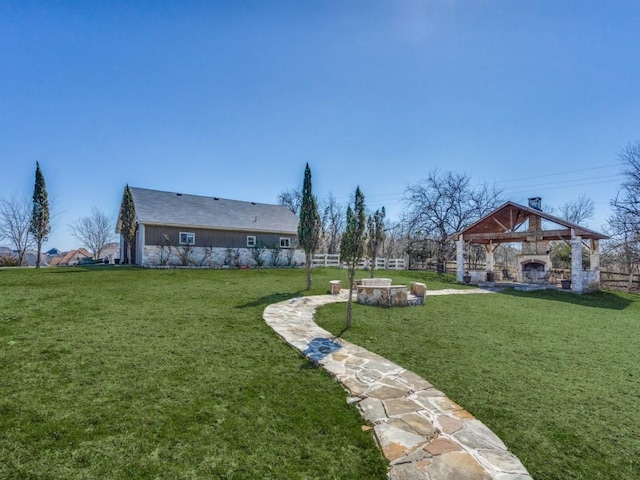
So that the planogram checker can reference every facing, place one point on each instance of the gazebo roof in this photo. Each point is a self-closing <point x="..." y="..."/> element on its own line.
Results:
<point x="505" y="224"/>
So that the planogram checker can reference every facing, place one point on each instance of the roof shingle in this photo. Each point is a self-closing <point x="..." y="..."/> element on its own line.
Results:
<point x="169" y="208"/>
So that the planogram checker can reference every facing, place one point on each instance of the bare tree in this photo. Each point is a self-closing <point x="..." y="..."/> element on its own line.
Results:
<point x="627" y="202"/>
<point x="395" y="243"/>
<point x="624" y="223"/>
<point x="333" y="221"/>
<point x="292" y="199"/>
<point x="94" y="231"/>
<point x="578" y="210"/>
<point x="445" y="203"/>
<point x="15" y="221"/>
<point x="622" y="250"/>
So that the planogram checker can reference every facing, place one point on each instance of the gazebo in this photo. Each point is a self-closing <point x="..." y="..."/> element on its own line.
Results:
<point x="533" y="229"/>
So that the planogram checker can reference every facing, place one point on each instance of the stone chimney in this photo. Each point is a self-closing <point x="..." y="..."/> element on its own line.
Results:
<point x="535" y="203"/>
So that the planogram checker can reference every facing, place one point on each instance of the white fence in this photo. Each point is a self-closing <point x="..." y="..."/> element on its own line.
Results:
<point x="333" y="260"/>
<point x="326" y="260"/>
<point x="396" y="264"/>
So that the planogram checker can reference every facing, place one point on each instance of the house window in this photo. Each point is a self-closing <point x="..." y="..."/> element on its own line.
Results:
<point x="187" y="238"/>
<point x="251" y="241"/>
<point x="285" y="242"/>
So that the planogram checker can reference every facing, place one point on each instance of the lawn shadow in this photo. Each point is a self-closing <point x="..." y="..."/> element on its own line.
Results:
<point x="271" y="298"/>
<point x="64" y="269"/>
<point x="601" y="299"/>
<point x="342" y="332"/>
<point x="76" y="269"/>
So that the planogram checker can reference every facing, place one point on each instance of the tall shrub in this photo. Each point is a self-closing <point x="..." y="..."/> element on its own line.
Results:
<point x="128" y="220"/>
<point x="352" y="242"/>
<point x="40" y="224"/>
<point x="309" y="225"/>
<point x="376" y="236"/>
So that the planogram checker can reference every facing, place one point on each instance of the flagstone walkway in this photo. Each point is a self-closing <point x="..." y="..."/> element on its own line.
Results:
<point x="423" y="434"/>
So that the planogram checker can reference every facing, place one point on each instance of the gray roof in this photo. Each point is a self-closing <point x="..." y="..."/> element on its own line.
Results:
<point x="177" y="209"/>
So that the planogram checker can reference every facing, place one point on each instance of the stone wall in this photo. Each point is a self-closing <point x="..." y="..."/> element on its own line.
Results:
<point x="216" y="257"/>
<point x="590" y="281"/>
<point x="390" y="296"/>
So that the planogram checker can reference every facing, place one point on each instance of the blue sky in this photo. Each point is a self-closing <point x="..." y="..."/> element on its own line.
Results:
<point x="231" y="98"/>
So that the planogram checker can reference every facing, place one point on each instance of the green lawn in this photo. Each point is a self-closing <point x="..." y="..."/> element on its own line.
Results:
<point x="555" y="375"/>
<point x="172" y="374"/>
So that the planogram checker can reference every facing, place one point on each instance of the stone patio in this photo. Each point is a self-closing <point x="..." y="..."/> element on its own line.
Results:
<point x="423" y="434"/>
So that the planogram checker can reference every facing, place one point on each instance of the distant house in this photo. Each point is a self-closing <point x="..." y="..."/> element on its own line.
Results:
<point x="111" y="252"/>
<point x="73" y="257"/>
<point x="180" y="229"/>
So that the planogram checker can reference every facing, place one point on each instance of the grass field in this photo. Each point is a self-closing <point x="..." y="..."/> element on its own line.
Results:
<point x="555" y="375"/>
<point x="128" y="373"/>
<point x="131" y="373"/>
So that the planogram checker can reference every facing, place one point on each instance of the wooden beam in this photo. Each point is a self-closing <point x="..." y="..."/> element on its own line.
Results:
<point x="501" y="225"/>
<point x="519" y="236"/>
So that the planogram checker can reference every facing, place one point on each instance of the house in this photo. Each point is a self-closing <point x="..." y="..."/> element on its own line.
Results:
<point x="111" y="252"/>
<point x="180" y="229"/>
<point x="534" y="230"/>
<point x="72" y="257"/>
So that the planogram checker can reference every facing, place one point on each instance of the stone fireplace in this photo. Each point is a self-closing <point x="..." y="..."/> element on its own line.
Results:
<point x="534" y="262"/>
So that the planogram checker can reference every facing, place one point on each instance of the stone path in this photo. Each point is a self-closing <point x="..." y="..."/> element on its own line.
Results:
<point x="423" y="434"/>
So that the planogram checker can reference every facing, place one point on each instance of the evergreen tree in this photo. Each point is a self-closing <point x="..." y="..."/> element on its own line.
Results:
<point x="128" y="220"/>
<point x="376" y="236"/>
<point x="353" y="242"/>
<point x="309" y="225"/>
<point x="40" y="225"/>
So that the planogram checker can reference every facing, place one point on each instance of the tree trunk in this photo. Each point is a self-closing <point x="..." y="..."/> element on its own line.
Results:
<point x="307" y="261"/>
<point x="39" y="254"/>
<point x="128" y="253"/>
<point x="373" y="267"/>
<point x="352" y="274"/>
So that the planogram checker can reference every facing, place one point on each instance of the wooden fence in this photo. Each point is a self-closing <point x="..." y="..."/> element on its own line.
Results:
<point x="620" y="281"/>
<point x="432" y="266"/>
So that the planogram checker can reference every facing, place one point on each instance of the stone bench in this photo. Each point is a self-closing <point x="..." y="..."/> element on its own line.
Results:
<point x="375" y="282"/>
<point x="383" y="295"/>
<point x="419" y="289"/>
<point x="335" y="286"/>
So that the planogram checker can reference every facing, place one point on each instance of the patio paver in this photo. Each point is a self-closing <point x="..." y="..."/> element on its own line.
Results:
<point x="422" y="433"/>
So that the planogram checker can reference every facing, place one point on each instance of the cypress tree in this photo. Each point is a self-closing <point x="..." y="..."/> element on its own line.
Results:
<point x="40" y="225"/>
<point x="375" y="228"/>
<point x="128" y="220"/>
<point x="352" y="243"/>
<point x="309" y="225"/>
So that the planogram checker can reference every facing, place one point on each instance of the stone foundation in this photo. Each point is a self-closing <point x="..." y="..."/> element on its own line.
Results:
<point x="217" y="257"/>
